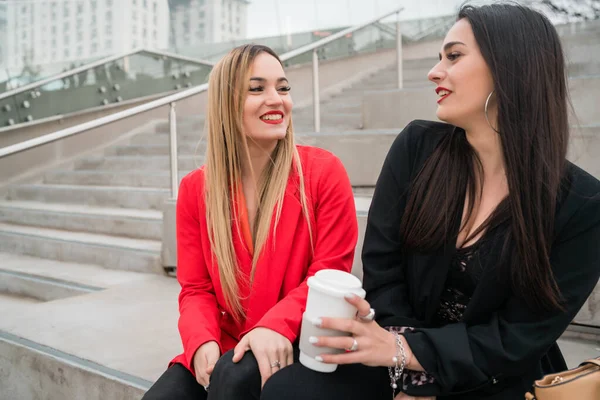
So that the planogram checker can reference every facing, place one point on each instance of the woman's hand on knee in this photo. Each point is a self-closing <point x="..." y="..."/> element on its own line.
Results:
<point x="204" y="361"/>
<point x="272" y="351"/>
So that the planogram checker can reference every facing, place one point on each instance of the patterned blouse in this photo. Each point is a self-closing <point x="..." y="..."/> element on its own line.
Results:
<point x="463" y="275"/>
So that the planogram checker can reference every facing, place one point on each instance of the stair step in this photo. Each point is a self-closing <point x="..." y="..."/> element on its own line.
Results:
<point x="342" y="98"/>
<point x="103" y="196"/>
<point x="339" y="108"/>
<point x="309" y="127"/>
<point x="343" y="106"/>
<point x="391" y="84"/>
<point x="127" y="222"/>
<point x="42" y="279"/>
<point x="139" y="178"/>
<point x="138" y="162"/>
<point x="189" y="141"/>
<point x="183" y="123"/>
<point x="139" y="255"/>
<point x="333" y="121"/>
<point x="149" y="150"/>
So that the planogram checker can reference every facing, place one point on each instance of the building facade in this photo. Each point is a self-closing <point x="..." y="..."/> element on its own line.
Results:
<point x="37" y="32"/>
<point x="206" y="21"/>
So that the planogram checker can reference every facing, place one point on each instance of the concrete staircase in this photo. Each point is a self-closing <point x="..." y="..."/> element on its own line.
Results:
<point x="343" y="112"/>
<point x="103" y="209"/>
<point x="87" y="310"/>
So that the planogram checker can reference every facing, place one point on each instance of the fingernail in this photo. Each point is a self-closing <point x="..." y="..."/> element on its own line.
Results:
<point x="317" y="322"/>
<point x="350" y="296"/>
<point x="313" y="340"/>
<point x="319" y="358"/>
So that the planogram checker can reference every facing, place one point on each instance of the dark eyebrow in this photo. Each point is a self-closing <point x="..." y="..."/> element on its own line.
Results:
<point x="279" y="80"/>
<point x="449" y="45"/>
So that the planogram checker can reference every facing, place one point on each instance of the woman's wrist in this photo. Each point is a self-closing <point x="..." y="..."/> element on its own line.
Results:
<point x="412" y="362"/>
<point x="408" y="353"/>
<point x="399" y="361"/>
<point x="391" y="353"/>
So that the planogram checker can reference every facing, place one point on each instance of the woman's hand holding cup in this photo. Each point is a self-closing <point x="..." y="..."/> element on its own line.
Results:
<point x="326" y="291"/>
<point x="375" y="346"/>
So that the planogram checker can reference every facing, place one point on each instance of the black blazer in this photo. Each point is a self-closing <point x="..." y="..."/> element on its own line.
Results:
<point x="501" y="345"/>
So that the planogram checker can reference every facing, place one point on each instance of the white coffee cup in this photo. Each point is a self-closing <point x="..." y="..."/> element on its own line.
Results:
<point x="326" y="298"/>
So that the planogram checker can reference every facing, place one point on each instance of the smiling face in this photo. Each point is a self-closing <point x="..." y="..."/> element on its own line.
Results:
<point x="268" y="105"/>
<point x="463" y="79"/>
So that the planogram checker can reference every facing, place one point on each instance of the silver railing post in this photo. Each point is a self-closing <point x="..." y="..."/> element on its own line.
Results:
<point x="399" y="52"/>
<point x="173" y="145"/>
<point x="316" y="101"/>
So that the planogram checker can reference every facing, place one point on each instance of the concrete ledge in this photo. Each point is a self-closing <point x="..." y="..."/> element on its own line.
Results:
<point x="137" y="338"/>
<point x="33" y="371"/>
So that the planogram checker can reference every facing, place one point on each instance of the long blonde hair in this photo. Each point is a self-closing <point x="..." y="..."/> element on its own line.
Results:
<point x="226" y="146"/>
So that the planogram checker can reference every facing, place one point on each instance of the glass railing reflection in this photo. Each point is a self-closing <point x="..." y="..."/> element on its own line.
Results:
<point x="135" y="76"/>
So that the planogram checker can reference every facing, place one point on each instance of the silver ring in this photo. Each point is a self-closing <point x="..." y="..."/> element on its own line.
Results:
<point x="276" y="364"/>
<point x="354" y="346"/>
<point x="369" y="317"/>
<point x="206" y="387"/>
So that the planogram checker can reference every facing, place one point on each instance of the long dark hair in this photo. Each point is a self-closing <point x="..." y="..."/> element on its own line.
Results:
<point x="523" y="51"/>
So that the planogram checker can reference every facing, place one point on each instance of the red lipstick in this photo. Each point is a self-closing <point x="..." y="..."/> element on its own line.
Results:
<point x="439" y="89"/>
<point x="272" y="121"/>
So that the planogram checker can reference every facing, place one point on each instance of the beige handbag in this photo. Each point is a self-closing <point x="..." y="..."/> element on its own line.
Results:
<point x="582" y="383"/>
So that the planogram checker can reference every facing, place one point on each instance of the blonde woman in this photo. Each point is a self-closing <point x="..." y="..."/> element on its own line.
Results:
<point x="253" y="224"/>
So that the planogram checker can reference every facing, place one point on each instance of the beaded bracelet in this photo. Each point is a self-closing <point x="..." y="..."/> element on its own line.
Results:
<point x="395" y="372"/>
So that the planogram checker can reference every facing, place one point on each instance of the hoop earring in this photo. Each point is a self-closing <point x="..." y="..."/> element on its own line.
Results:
<point x="486" y="111"/>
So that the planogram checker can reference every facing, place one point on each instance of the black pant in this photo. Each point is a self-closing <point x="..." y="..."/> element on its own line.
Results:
<point x="228" y="381"/>
<point x="241" y="381"/>
<point x="348" y="382"/>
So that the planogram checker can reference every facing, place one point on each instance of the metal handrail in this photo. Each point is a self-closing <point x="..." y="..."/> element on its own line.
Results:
<point x="171" y="99"/>
<point x="97" y="63"/>
<point x="335" y="36"/>
<point x="73" y="130"/>
<point x="313" y="47"/>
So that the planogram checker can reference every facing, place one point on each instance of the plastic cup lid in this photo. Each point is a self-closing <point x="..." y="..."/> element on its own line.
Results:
<point x="336" y="283"/>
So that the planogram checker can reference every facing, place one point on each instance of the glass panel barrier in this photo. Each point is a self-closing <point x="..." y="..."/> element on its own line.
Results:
<point x="135" y="76"/>
<point x="367" y="40"/>
<point x="11" y="78"/>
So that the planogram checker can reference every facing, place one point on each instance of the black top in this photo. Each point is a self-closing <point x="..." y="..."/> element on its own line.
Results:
<point x="463" y="276"/>
<point x="499" y="346"/>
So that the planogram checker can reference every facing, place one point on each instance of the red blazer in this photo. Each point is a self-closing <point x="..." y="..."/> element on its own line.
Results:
<point x="278" y="295"/>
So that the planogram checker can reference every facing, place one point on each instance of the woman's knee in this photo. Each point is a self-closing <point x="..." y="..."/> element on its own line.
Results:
<point x="177" y="383"/>
<point x="235" y="377"/>
<point x="289" y="384"/>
